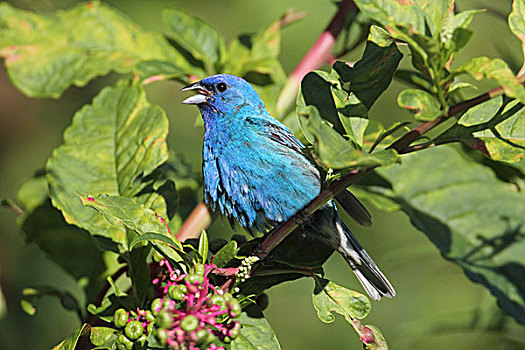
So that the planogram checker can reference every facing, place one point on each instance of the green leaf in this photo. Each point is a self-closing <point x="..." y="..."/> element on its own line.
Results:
<point x="121" y="210"/>
<point x="30" y="295"/>
<point x="33" y="192"/>
<point x="424" y="105"/>
<point x="150" y="236"/>
<point x="517" y="25"/>
<point x="502" y="137"/>
<point x="334" y="151"/>
<point x="70" y="343"/>
<point x="100" y="335"/>
<point x="372" y="74"/>
<point x="497" y="69"/>
<point x="193" y="34"/>
<point x="225" y="254"/>
<point x="474" y="219"/>
<point x="112" y="147"/>
<point x="203" y="246"/>
<point x="256" y="333"/>
<point x="45" y="54"/>
<point x="328" y="297"/>
<point x="481" y="113"/>
<point x="408" y="14"/>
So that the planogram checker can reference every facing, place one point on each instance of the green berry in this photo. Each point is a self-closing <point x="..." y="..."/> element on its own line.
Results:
<point x="227" y="297"/>
<point x="175" y="293"/>
<point x="235" y="308"/>
<point x="234" y="333"/>
<point x="189" y="323"/>
<point x="156" y="306"/>
<point x="227" y="340"/>
<point x="217" y="299"/>
<point x="198" y="269"/>
<point x="182" y="288"/>
<point x="134" y="330"/>
<point x="203" y="336"/>
<point x="124" y="342"/>
<point x="194" y="279"/>
<point x="120" y="318"/>
<point x="163" y="320"/>
<point x="162" y="336"/>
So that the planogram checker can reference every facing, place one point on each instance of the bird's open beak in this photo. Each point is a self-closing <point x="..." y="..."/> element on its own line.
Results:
<point x="202" y="97"/>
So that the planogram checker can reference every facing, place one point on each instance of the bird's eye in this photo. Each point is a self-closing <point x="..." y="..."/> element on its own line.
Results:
<point x="221" y="87"/>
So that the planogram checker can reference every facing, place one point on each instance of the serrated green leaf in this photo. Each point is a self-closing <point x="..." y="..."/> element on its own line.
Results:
<point x="497" y="69"/>
<point x="203" y="41"/>
<point x="379" y="36"/>
<point x="407" y="14"/>
<point x="256" y="333"/>
<point x="112" y="147"/>
<point x="99" y="335"/>
<point x="328" y="297"/>
<point x="474" y="219"/>
<point x="424" y="105"/>
<point x="481" y="113"/>
<point x="45" y="54"/>
<point x="225" y="254"/>
<point x="517" y="25"/>
<point x="125" y="211"/>
<point x="203" y="246"/>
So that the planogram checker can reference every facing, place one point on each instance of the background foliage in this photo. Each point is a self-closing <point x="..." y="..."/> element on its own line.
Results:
<point x="435" y="307"/>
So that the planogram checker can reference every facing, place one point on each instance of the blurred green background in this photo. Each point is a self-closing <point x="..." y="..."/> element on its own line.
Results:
<point x="437" y="307"/>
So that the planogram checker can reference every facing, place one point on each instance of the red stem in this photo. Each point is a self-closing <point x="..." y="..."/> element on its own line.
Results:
<point x="199" y="219"/>
<point x="319" y="53"/>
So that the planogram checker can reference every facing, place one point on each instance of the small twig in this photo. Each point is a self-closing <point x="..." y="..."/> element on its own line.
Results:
<point x="199" y="219"/>
<point x="6" y="202"/>
<point x="100" y="296"/>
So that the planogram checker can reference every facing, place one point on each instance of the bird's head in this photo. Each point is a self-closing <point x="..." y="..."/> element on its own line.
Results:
<point x="223" y="94"/>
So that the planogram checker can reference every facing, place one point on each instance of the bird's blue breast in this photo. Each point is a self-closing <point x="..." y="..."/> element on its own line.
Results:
<point x="254" y="171"/>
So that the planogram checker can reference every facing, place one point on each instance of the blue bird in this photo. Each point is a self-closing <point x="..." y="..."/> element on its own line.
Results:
<point x="255" y="173"/>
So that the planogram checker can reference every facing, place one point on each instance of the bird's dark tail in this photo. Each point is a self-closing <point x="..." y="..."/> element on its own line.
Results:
<point x="372" y="279"/>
